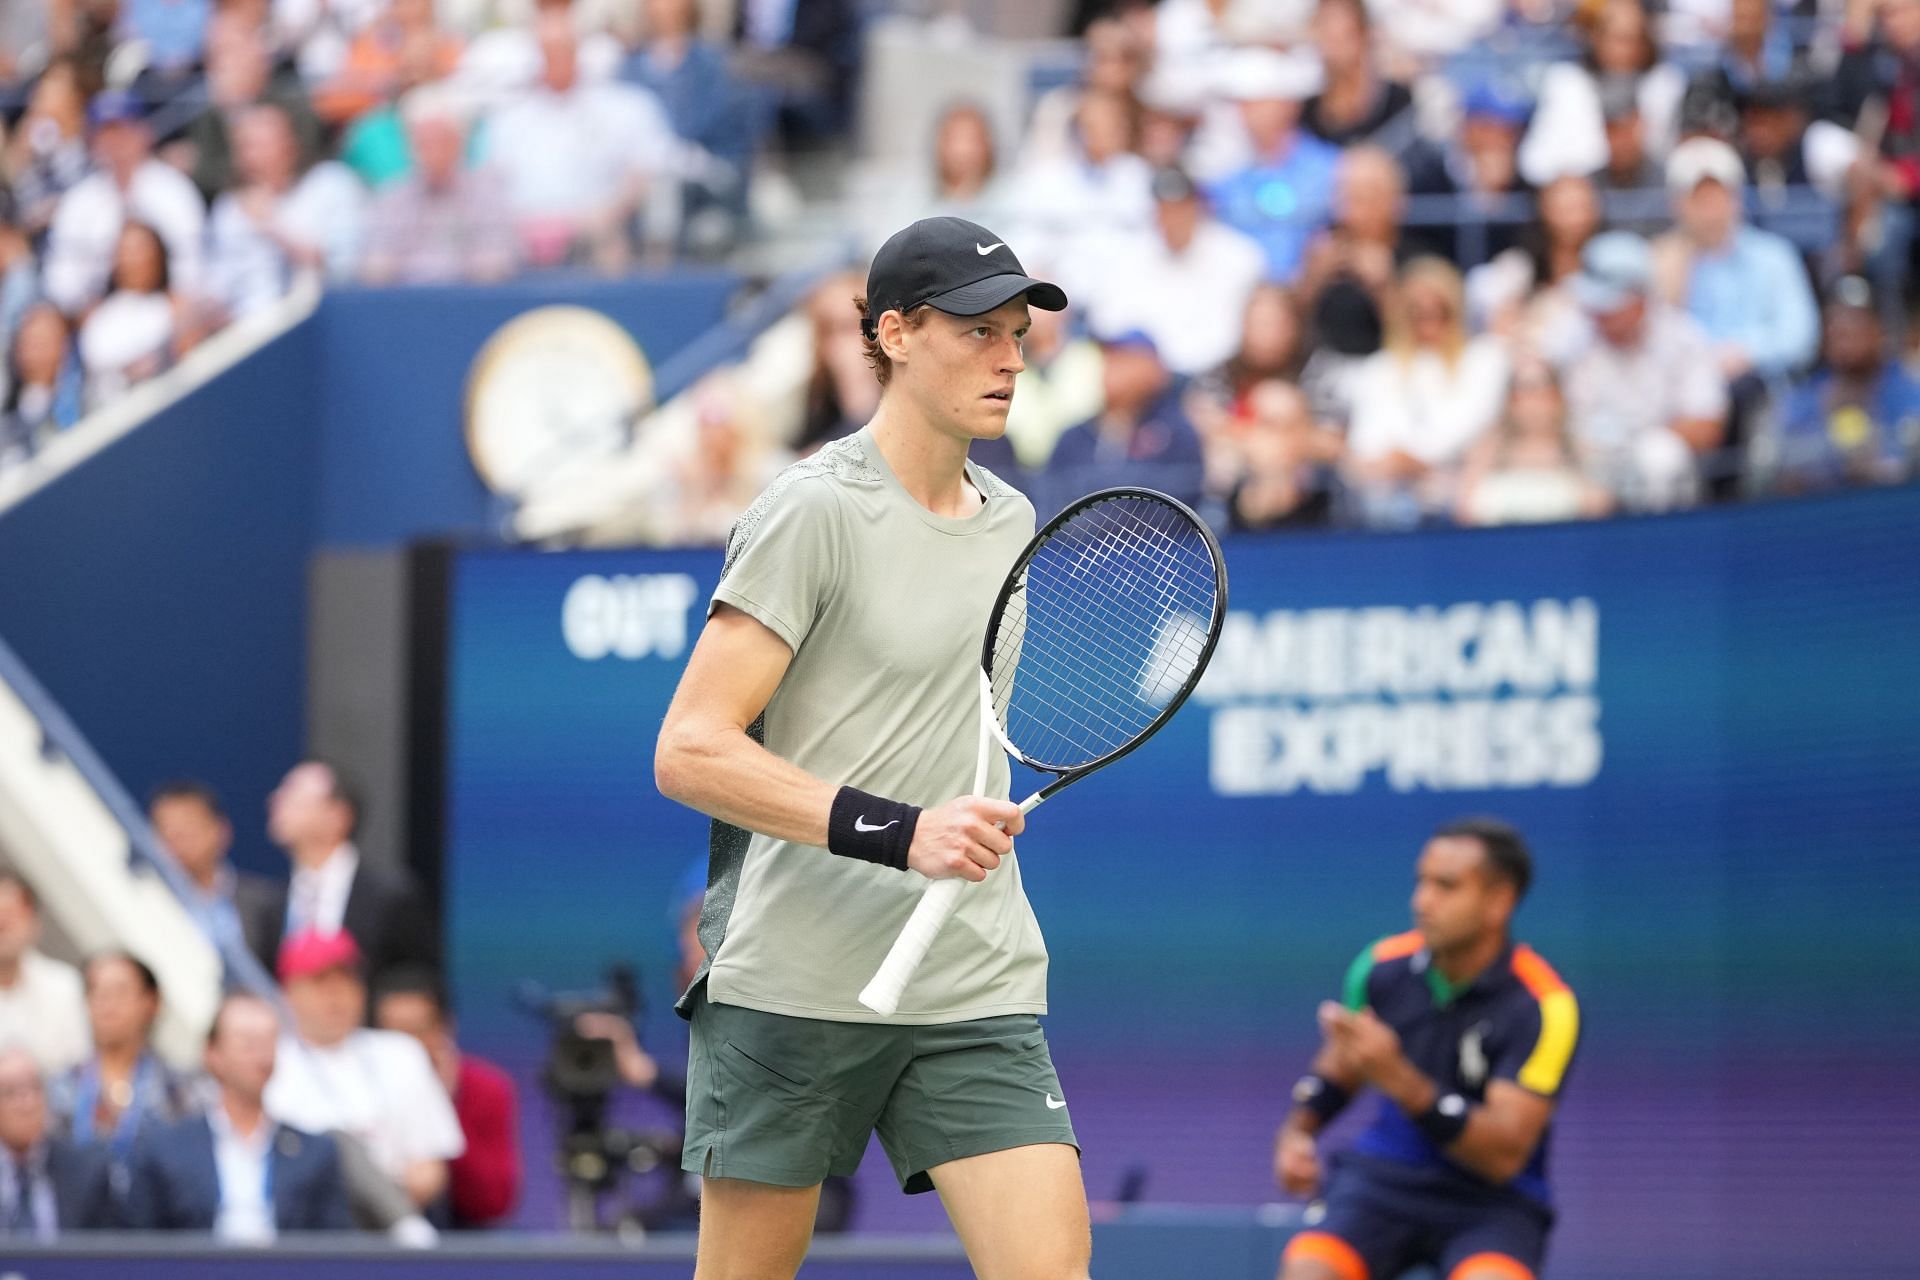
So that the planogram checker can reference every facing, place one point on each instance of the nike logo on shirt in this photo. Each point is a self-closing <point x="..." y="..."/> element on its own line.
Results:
<point x="1054" y="1104"/>
<point x="861" y="824"/>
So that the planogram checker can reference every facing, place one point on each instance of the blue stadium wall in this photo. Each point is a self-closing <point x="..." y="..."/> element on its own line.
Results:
<point x="159" y="591"/>
<point x="1706" y="725"/>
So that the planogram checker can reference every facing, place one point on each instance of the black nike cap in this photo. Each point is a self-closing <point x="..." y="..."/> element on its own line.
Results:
<point x="954" y="266"/>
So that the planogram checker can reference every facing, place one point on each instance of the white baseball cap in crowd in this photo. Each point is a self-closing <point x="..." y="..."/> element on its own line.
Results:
<point x="1269" y="75"/>
<point x="1699" y="160"/>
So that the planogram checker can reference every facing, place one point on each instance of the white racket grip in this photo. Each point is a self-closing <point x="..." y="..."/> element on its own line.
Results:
<point x="936" y="906"/>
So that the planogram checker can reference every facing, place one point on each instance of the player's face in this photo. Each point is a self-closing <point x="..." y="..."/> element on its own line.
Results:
<point x="1455" y="901"/>
<point x="960" y="369"/>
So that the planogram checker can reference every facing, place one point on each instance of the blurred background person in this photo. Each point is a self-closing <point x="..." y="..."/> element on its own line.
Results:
<point x="1525" y="295"/>
<point x="446" y="222"/>
<point x="1060" y="388"/>
<point x="1074" y="209"/>
<point x="1350" y="266"/>
<point x="1282" y="191"/>
<point x="230" y="906"/>
<point x="483" y="1181"/>
<point x="19" y="276"/>
<point x="1114" y="61"/>
<point x="1478" y="165"/>
<point x="42" y="1000"/>
<point x="1186" y="281"/>
<point x="124" y="1089"/>
<point x="313" y="815"/>
<point x="45" y="388"/>
<point x="964" y="180"/>
<point x="389" y="56"/>
<point x="582" y="160"/>
<point x="1528" y="469"/>
<point x="1568" y="133"/>
<point x="1645" y="395"/>
<point x="1422" y="401"/>
<point x="46" y="154"/>
<point x="240" y="73"/>
<point x="1451" y="1170"/>
<point x="170" y="34"/>
<point x="282" y="224"/>
<point x="1631" y="164"/>
<point x="1747" y="287"/>
<point x="141" y="327"/>
<point x="1140" y="436"/>
<point x="48" y="1185"/>
<point x="1280" y="477"/>
<point x="376" y="1089"/>
<point x="707" y="107"/>
<point x="1356" y="102"/>
<point x="1855" y="418"/>
<point x="233" y="1170"/>
<point x="841" y="394"/>
<point x="128" y="183"/>
<point x="730" y="459"/>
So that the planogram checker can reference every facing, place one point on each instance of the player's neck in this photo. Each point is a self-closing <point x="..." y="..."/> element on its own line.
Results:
<point x="1469" y="962"/>
<point x="930" y="464"/>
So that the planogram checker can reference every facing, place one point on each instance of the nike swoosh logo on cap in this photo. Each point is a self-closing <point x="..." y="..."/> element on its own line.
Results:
<point x="984" y="249"/>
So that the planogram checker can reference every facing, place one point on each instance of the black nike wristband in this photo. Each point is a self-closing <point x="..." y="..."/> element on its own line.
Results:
<point x="871" y="828"/>
<point x="1445" y="1120"/>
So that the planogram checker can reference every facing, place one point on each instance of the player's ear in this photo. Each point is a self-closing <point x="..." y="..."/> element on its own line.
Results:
<point x="892" y="336"/>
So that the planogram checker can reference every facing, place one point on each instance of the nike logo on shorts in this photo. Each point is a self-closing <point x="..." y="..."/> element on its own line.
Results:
<point x="861" y="824"/>
<point x="1054" y="1104"/>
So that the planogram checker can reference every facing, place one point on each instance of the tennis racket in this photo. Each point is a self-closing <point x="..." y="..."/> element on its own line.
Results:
<point x="1101" y="630"/>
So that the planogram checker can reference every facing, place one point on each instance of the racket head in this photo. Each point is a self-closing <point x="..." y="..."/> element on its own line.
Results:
<point x="1102" y="629"/>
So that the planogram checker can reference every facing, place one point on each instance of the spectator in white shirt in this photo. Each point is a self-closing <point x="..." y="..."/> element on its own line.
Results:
<point x="279" y="226"/>
<point x="334" y="1075"/>
<point x="1185" y="283"/>
<point x="137" y="331"/>
<point x="584" y="159"/>
<point x="130" y="183"/>
<point x="1422" y="401"/>
<point x="1075" y="209"/>
<point x="1568" y="133"/>
<point x="42" y="1002"/>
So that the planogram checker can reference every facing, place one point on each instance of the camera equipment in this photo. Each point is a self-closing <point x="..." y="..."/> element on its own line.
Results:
<point x="581" y="1074"/>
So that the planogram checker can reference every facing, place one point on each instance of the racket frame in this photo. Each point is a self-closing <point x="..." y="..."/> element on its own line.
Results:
<point x="942" y="897"/>
<point x="1015" y="580"/>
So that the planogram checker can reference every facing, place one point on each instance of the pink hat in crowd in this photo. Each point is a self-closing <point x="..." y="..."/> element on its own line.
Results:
<point x="311" y="951"/>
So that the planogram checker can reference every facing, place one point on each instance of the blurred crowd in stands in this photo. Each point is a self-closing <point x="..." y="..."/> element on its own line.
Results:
<point x="1377" y="264"/>
<point x="338" y="1099"/>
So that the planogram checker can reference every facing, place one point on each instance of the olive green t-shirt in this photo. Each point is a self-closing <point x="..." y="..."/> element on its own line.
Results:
<point x="884" y="605"/>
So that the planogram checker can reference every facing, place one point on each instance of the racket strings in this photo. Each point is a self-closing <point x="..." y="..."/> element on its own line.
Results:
<point x="1110" y="624"/>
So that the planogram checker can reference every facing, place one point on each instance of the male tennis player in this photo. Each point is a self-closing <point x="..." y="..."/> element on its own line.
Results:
<point x="828" y="720"/>
<point x="1468" y="1037"/>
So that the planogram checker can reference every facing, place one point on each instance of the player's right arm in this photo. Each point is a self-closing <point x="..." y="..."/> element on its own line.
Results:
<point x="705" y="759"/>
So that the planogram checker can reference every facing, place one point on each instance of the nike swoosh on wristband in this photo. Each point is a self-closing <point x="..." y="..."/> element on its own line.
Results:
<point x="984" y="249"/>
<point x="861" y="824"/>
<point x="1054" y="1104"/>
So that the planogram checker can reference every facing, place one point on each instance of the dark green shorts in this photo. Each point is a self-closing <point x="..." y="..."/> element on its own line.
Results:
<point x="787" y="1101"/>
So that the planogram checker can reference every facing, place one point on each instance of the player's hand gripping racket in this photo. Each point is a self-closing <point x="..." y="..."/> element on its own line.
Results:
<point x="1099" y="633"/>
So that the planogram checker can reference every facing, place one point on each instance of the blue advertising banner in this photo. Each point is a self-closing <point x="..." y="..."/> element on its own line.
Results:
<point x="1707" y="725"/>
